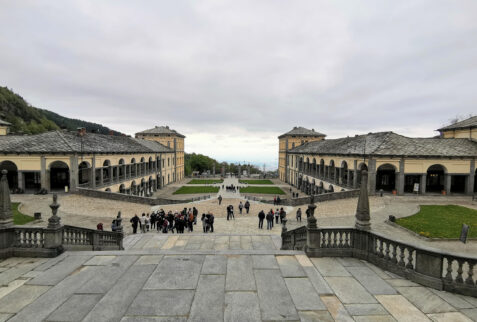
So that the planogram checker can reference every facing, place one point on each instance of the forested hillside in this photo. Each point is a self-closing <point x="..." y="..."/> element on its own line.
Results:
<point x="28" y="119"/>
<point x="202" y="163"/>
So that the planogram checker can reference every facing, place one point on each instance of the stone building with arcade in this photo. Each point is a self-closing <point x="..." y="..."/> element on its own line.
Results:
<point x="395" y="163"/>
<point x="58" y="159"/>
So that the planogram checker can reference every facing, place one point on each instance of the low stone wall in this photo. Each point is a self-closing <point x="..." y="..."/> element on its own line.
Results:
<point x="316" y="198"/>
<point x="135" y="199"/>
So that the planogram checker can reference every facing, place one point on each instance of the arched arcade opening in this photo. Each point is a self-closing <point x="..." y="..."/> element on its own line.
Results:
<point x="59" y="175"/>
<point x="386" y="177"/>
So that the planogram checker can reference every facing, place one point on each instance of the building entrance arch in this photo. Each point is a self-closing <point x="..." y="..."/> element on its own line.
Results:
<point x="436" y="178"/>
<point x="12" y="174"/>
<point x="386" y="177"/>
<point x="59" y="175"/>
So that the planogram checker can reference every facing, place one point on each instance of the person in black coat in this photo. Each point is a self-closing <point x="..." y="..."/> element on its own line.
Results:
<point x="261" y="217"/>
<point x="134" y="221"/>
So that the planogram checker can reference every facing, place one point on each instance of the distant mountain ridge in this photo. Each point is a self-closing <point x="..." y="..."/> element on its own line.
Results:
<point x="27" y="119"/>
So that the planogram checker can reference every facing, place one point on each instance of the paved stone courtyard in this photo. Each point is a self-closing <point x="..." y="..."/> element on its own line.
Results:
<point x="215" y="277"/>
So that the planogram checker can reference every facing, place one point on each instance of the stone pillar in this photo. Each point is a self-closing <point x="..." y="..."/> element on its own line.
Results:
<point x="21" y="182"/>
<point x="348" y="177"/>
<point x="355" y="174"/>
<point x="469" y="188"/>
<point x="93" y="173"/>
<point x="6" y="216"/>
<point x="101" y="176"/>
<point x="400" y="178"/>
<point x="340" y="176"/>
<point x="73" y="172"/>
<point x="54" y="230"/>
<point x="362" y="212"/>
<point x="423" y="183"/>
<point x="44" y="180"/>
<point x="372" y="176"/>
<point x="447" y="183"/>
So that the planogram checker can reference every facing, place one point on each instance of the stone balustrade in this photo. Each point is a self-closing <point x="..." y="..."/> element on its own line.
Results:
<point x="425" y="266"/>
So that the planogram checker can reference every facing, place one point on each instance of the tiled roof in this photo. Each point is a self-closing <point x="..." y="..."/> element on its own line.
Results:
<point x="301" y="131"/>
<point x="161" y="130"/>
<point x="391" y="144"/>
<point x="71" y="142"/>
<point x="2" y="122"/>
<point x="465" y="124"/>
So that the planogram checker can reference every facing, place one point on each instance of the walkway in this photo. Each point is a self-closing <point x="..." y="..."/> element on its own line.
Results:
<point x="197" y="277"/>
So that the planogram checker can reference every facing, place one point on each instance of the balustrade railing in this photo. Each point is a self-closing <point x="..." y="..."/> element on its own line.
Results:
<point x="429" y="267"/>
<point x="29" y="237"/>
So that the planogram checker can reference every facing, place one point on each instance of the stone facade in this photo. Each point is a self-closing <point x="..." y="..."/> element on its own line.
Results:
<point x="395" y="163"/>
<point x="59" y="159"/>
<point x="173" y="140"/>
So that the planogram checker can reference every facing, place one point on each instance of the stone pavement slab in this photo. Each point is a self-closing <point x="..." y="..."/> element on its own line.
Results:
<point x="313" y="316"/>
<point x="107" y="276"/>
<point x="275" y="300"/>
<point x="149" y="260"/>
<point x="290" y="267"/>
<point x="366" y="309"/>
<point x="240" y="273"/>
<point x="161" y="302"/>
<point x="5" y="316"/>
<point x="349" y="291"/>
<point x="11" y="287"/>
<point x="471" y="313"/>
<point x="456" y="300"/>
<point x="115" y="303"/>
<point x="241" y="306"/>
<point x="153" y="319"/>
<point x="75" y="308"/>
<point x="53" y="298"/>
<point x="21" y="297"/>
<point x="425" y="300"/>
<point x="264" y="262"/>
<point x="303" y="294"/>
<point x="401" y="309"/>
<point x="449" y="317"/>
<point x="176" y="272"/>
<point x="374" y="318"/>
<point x="215" y="264"/>
<point x="336" y="308"/>
<point x="208" y="304"/>
<point x="59" y="271"/>
<point x="100" y="260"/>
<point x="371" y="281"/>
<point x="329" y="267"/>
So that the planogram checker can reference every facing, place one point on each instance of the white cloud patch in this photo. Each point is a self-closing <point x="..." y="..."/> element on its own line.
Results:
<point x="233" y="75"/>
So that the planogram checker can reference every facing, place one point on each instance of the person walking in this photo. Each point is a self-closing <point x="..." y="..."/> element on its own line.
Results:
<point x="220" y="198"/>
<point x="298" y="215"/>
<point x="148" y="221"/>
<point x="195" y="212"/>
<point x="143" y="223"/>
<point x="211" y="222"/>
<point x="283" y="214"/>
<point x="261" y="217"/>
<point x="247" y="206"/>
<point x="240" y="207"/>
<point x="270" y="220"/>
<point x="277" y="215"/>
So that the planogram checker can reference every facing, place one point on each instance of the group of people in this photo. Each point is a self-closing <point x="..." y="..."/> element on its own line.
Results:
<point x="277" y="214"/>
<point x="241" y="207"/>
<point x="276" y="200"/>
<point x="230" y="188"/>
<point x="178" y="221"/>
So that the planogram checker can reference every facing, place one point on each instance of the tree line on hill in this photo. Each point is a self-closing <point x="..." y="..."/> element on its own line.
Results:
<point x="27" y="119"/>
<point x="202" y="163"/>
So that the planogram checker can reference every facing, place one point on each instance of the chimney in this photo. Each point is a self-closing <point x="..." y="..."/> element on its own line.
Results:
<point x="81" y="131"/>
<point x="111" y="132"/>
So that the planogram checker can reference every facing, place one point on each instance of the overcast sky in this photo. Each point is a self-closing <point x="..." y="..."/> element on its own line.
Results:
<point x="233" y="75"/>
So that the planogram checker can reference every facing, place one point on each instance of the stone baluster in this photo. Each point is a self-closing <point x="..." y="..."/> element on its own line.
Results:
<point x="54" y="230"/>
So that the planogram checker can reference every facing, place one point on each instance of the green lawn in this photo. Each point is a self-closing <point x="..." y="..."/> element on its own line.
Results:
<point x="198" y="189"/>
<point x="256" y="181"/>
<point x="263" y="190"/>
<point x="441" y="221"/>
<point x="18" y="217"/>
<point x="205" y="181"/>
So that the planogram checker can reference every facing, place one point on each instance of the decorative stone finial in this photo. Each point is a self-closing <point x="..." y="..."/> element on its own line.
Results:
<point x="311" y="216"/>
<point x="6" y="216"/>
<point x="119" y="220"/>
<point x="362" y="211"/>
<point x="54" y="221"/>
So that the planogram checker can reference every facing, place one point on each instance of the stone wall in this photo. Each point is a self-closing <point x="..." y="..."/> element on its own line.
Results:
<point x="131" y="198"/>
<point x="316" y="198"/>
